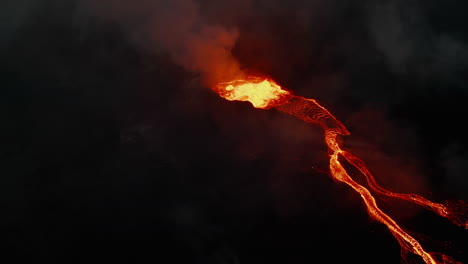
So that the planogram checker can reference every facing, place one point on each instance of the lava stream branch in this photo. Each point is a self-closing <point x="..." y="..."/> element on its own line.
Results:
<point x="405" y="240"/>
<point x="266" y="94"/>
<point x="311" y="111"/>
<point x="448" y="211"/>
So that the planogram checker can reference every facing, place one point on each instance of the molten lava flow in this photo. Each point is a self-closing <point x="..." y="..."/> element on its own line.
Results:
<point x="262" y="93"/>
<point x="454" y="211"/>
<point x="339" y="173"/>
<point x="265" y="93"/>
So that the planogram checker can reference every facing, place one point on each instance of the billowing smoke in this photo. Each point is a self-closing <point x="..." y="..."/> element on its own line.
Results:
<point x="177" y="28"/>
<point x="219" y="40"/>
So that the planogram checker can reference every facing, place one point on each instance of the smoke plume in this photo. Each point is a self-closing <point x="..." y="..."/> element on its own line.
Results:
<point x="178" y="29"/>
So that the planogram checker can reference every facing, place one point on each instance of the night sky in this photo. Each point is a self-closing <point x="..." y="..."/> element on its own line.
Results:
<point x="114" y="149"/>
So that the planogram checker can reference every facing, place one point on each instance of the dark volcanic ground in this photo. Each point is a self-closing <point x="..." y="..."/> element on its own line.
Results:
<point x="111" y="152"/>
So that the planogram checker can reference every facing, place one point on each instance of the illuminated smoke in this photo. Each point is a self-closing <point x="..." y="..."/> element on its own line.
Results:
<point x="176" y="27"/>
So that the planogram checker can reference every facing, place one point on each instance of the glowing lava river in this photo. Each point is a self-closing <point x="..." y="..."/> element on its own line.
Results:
<point x="265" y="93"/>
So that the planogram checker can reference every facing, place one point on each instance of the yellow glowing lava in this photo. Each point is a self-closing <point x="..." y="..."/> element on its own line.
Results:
<point x="261" y="93"/>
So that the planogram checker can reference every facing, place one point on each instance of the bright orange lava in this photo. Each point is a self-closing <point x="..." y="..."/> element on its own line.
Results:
<point x="262" y="93"/>
<point x="265" y="93"/>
